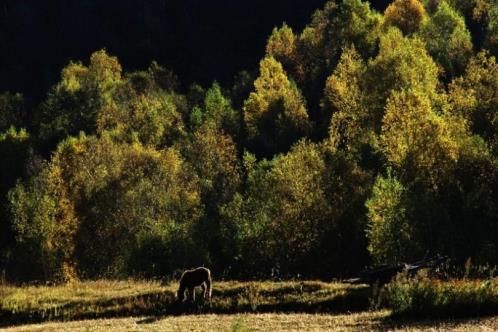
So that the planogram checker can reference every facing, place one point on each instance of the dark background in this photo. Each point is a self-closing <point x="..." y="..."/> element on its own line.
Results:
<point x="200" y="40"/>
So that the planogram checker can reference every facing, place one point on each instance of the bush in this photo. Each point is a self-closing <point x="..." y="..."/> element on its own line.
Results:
<point x="424" y="297"/>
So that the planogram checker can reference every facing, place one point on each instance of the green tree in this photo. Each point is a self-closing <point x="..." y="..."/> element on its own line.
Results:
<point x="447" y="39"/>
<point x="344" y="95"/>
<point x="474" y="97"/>
<point x="486" y="12"/>
<point x="275" y="113"/>
<point x="109" y="201"/>
<point x="389" y="230"/>
<point x="15" y="151"/>
<point x="74" y="103"/>
<point x="303" y="209"/>
<point x="285" y="210"/>
<point x="12" y="111"/>
<point x="402" y="63"/>
<point x="152" y="119"/>
<point x="281" y="45"/>
<point x="212" y="156"/>
<point x="33" y="211"/>
<point x="217" y="109"/>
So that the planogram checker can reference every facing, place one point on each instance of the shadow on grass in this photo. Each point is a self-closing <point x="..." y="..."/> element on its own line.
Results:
<point x="159" y="305"/>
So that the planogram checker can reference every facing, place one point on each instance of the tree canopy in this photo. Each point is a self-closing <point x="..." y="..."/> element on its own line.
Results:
<point x="368" y="135"/>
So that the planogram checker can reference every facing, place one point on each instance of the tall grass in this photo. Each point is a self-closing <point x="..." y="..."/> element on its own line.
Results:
<point x="421" y="296"/>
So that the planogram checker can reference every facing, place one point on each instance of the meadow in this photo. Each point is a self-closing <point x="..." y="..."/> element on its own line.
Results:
<point x="236" y="306"/>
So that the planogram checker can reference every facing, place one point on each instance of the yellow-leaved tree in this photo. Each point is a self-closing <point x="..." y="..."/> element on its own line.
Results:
<point x="275" y="113"/>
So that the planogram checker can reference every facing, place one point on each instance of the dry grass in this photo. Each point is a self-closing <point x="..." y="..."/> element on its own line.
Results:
<point x="236" y="306"/>
<point x="106" y="299"/>
<point x="365" y="321"/>
<point x="43" y="297"/>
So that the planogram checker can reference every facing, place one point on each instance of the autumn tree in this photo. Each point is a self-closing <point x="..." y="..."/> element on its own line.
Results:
<point x="407" y="15"/>
<point x="486" y="13"/>
<point x="33" y="210"/>
<point x="275" y="113"/>
<point x="474" y="96"/>
<point x="285" y="210"/>
<point x="74" y="103"/>
<point x="415" y="139"/>
<point x="402" y="63"/>
<point x="447" y="39"/>
<point x="281" y="45"/>
<point x="344" y="96"/>
<point x="107" y="202"/>
<point x="152" y="119"/>
<point x="212" y="156"/>
<point x="318" y="47"/>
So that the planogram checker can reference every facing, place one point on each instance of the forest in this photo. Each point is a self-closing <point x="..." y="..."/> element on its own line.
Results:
<point x="366" y="135"/>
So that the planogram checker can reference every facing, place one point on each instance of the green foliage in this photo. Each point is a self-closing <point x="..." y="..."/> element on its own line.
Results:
<point x="284" y="209"/>
<point x="15" y="152"/>
<point x="407" y="15"/>
<point x="161" y="178"/>
<point x="15" y="148"/>
<point x="282" y="46"/>
<point x="212" y="157"/>
<point x="74" y="103"/>
<point x="218" y="110"/>
<point x="107" y="197"/>
<point x="402" y="63"/>
<point x="333" y="28"/>
<point x="486" y="12"/>
<point x="389" y="231"/>
<point x="474" y="97"/>
<point x="423" y="297"/>
<point x="314" y="52"/>
<point x="415" y="139"/>
<point x="292" y="207"/>
<point x="12" y="111"/>
<point x="151" y="119"/>
<point x="33" y="209"/>
<point x="351" y="121"/>
<point x="447" y="39"/>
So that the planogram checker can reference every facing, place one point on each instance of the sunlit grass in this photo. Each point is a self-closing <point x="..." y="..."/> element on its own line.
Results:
<point x="363" y="321"/>
<point x="96" y="299"/>
<point x="241" y="306"/>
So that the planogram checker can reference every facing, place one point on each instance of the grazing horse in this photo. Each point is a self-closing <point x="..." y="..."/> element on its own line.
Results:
<point x="190" y="279"/>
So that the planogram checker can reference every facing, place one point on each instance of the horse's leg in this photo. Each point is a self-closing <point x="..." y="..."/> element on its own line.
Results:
<point x="192" y="293"/>
<point x="209" y="286"/>
<point x="204" y="290"/>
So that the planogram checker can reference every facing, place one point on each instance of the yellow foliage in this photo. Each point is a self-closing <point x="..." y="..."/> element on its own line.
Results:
<point x="407" y="15"/>
<point x="276" y="105"/>
<point x="415" y="139"/>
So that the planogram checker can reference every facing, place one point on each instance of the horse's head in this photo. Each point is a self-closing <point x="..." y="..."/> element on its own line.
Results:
<point x="180" y="295"/>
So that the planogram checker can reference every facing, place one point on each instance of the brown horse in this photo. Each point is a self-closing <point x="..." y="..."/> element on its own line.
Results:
<point x="190" y="279"/>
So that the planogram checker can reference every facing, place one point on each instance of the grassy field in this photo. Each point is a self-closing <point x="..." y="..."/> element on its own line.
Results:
<point x="364" y="321"/>
<point x="236" y="306"/>
<point x="103" y="299"/>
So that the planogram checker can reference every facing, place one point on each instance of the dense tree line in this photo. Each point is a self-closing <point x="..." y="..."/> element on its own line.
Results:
<point x="366" y="137"/>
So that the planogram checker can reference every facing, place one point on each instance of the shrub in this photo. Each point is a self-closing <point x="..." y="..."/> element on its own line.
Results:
<point x="424" y="297"/>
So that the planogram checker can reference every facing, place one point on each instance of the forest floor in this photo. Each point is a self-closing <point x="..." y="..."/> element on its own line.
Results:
<point x="236" y="306"/>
